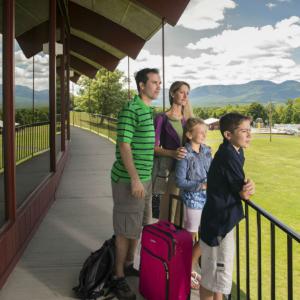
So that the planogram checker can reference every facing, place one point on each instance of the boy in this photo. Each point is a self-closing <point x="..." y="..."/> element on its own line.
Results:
<point x="226" y="186"/>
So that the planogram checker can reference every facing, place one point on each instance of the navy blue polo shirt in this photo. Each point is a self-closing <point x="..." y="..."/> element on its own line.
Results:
<point x="223" y="208"/>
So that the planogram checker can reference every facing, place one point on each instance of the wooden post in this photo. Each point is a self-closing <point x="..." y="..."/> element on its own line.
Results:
<point x="9" y="109"/>
<point x="52" y="84"/>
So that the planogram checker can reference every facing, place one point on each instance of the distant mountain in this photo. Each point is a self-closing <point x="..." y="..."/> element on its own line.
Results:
<point x="23" y="96"/>
<point x="261" y="91"/>
<point x="159" y="100"/>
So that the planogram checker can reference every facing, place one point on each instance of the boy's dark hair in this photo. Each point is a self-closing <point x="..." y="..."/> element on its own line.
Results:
<point x="142" y="76"/>
<point x="231" y="121"/>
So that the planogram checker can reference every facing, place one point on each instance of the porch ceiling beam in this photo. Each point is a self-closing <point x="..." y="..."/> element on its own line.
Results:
<point x="31" y="41"/>
<point x="93" y="53"/>
<point x="171" y="10"/>
<point x="75" y="77"/>
<point x="83" y="67"/>
<point x="104" y="29"/>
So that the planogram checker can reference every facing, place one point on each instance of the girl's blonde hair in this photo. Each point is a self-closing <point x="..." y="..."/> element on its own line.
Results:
<point x="190" y="124"/>
<point x="187" y="110"/>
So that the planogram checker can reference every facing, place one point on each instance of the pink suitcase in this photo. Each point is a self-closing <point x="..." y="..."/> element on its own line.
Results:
<point x="166" y="261"/>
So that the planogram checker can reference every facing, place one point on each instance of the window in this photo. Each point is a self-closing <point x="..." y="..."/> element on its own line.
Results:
<point x="31" y="99"/>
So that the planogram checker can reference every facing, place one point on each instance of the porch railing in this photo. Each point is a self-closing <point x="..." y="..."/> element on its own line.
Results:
<point x="100" y="124"/>
<point x="30" y="140"/>
<point x="267" y="249"/>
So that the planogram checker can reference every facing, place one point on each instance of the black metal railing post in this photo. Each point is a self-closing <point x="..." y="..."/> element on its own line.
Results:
<point x="275" y="225"/>
<point x="273" y="269"/>
<point x="238" y="262"/>
<point x="247" y="253"/>
<point x="290" y="267"/>
<point x="259" y="281"/>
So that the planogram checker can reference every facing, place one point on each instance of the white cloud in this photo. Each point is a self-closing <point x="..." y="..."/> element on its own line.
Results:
<point x="254" y="40"/>
<point x="24" y="70"/>
<point x="205" y="14"/>
<point x="271" y="5"/>
<point x="232" y="57"/>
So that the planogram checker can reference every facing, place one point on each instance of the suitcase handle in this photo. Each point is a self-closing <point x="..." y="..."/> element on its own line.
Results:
<point x="168" y="224"/>
<point x="176" y="197"/>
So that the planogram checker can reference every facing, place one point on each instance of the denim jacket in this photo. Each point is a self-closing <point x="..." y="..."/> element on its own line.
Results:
<point x="190" y="173"/>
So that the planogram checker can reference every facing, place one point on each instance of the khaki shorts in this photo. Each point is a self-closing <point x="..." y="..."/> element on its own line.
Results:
<point x="129" y="213"/>
<point x="217" y="265"/>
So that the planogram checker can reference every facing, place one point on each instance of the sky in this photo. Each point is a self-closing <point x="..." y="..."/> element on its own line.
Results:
<point x="24" y="68"/>
<point x="228" y="42"/>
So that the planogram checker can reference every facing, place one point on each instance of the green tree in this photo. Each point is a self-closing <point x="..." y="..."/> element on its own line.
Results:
<point x="288" y="112"/>
<point x="256" y="110"/>
<point x="296" y="111"/>
<point x="102" y="95"/>
<point x="271" y="111"/>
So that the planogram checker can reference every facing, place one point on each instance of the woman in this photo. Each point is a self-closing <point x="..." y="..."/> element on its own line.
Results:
<point x="168" y="142"/>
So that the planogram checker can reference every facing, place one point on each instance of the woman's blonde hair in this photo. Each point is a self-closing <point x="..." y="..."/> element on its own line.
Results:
<point x="187" y="110"/>
<point x="190" y="124"/>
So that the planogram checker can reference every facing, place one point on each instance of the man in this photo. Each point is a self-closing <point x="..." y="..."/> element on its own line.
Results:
<point x="131" y="175"/>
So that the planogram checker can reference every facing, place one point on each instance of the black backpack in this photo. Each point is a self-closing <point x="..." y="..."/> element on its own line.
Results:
<point x="97" y="272"/>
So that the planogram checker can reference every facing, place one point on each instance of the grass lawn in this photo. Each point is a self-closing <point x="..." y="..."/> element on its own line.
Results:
<point x="275" y="168"/>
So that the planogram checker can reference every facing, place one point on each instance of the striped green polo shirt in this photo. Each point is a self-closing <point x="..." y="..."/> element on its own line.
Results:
<point x="135" y="127"/>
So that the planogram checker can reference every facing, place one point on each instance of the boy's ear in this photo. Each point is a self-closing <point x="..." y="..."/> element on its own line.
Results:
<point x="227" y="135"/>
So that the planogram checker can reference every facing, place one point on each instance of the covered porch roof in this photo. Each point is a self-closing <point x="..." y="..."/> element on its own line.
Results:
<point x="101" y="32"/>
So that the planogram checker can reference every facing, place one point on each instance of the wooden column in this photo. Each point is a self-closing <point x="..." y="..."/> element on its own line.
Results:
<point x="9" y="108"/>
<point x="62" y="85"/>
<point x="68" y="85"/>
<point x="52" y="83"/>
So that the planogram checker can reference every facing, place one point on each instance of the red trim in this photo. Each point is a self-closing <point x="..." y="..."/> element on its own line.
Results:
<point x="9" y="109"/>
<point x="104" y="29"/>
<point x="52" y="83"/>
<point x="62" y="85"/>
<point x="68" y="85"/>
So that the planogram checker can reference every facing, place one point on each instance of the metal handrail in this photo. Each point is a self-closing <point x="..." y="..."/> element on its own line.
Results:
<point x="32" y="125"/>
<point x="31" y="139"/>
<point x="293" y="234"/>
<point x="92" y="122"/>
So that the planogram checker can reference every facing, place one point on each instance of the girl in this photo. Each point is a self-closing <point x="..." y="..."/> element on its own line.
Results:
<point x="191" y="177"/>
